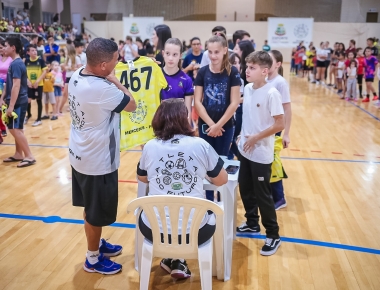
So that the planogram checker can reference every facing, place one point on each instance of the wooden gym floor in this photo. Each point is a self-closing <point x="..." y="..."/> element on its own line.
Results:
<point x="331" y="222"/>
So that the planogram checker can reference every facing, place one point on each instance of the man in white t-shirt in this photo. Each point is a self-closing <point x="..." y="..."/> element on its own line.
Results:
<point x="130" y="50"/>
<point x="96" y="98"/>
<point x="263" y="116"/>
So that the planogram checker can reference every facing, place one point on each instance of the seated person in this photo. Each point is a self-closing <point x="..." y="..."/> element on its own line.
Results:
<point x="176" y="163"/>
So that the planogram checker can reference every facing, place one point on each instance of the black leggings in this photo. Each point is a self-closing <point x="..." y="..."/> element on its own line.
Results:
<point x="204" y="234"/>
<point x="360" y="82"/>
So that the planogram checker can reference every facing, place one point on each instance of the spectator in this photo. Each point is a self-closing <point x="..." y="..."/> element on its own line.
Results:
<point x="51" y="50"/>
<point x="130" y="50"/>
<point x="266" y="47"/>
<point x="192" y="61"/>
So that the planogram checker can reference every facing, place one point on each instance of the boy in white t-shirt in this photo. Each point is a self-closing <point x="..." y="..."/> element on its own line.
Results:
<point x="263" y="116"/>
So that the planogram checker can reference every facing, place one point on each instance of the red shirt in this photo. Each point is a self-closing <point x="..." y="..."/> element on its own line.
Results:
<point x="361" y="65"/>
<point x="298" y="57"/>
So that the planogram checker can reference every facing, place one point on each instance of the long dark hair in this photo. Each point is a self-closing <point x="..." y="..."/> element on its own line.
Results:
<point x="279" y="58"/>
<point x="163" y="33"/>
<point x="171" y="119"/>
<point x="246" y="48"/>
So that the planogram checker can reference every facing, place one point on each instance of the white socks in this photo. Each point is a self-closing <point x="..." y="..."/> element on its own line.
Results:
<point x="92" y="257"/>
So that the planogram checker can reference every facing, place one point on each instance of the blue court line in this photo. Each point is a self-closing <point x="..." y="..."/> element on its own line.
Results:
<point x="58" y="219"/>
<point x="364" y="110"/>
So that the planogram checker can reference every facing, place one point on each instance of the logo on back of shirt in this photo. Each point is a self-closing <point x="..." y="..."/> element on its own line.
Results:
<point x="175" y="141"/>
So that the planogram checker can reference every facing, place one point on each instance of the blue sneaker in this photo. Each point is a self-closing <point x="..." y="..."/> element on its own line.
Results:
<point x="103" y="266"/>
<point x="280" y="204"/>
<point x="109" y="250"/>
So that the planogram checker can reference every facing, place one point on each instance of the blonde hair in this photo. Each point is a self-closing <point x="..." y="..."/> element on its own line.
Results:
<point x="71" y="54"/>
<point x="221" y="38"/>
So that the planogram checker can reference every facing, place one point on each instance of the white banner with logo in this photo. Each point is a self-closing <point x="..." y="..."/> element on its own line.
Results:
<point x="289" y="32"/>
<point x="141" y="26"/>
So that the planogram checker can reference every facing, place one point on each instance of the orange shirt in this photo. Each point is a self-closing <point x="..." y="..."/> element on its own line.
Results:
<point x="48" y="83"/>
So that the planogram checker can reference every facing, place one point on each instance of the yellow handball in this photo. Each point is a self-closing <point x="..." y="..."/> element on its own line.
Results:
<point x="4" y="116"/>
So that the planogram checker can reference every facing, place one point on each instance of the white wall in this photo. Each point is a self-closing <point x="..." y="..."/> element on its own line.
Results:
<point x="356" y="10"/>
<point x="332" y="32"/>
<point x="49" y="6"/>
<point x="17" y="3"/>
<point x="245" y="10"/>
<point x="86" y="7"/>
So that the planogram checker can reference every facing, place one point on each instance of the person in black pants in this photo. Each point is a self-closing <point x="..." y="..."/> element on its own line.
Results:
<point x="263" y="116"/>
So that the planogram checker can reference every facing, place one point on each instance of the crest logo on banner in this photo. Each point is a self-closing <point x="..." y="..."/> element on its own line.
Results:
<point x="289" y="32"/>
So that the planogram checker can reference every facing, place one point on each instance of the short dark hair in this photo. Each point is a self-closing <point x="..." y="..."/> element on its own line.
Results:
<point x="100" y="50"/>
<point x="128" y="38"/>
<point x="50" y="36"/>
<point x="40" y="38"/>
<point x="239" y="34"/>
<point x="262" y="58"/>
<point x="371" y="39"/>
<point x="194" y="38"/>
<point x="34" y="36"/>
<point x="16" y="42"/>
<point x="78" y="44"/>
<point x="219" y="28"/>
<point x="31" y="46"/>
<point x="69" y="41"/>
<point x="171" y="119"/>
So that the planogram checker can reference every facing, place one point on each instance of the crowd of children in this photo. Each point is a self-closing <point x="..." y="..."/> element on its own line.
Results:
<point x="346" y="68"/>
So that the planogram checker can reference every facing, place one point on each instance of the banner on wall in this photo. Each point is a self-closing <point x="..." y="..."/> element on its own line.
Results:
<point x="141" y="26"/>
<point x="289" y="32"/>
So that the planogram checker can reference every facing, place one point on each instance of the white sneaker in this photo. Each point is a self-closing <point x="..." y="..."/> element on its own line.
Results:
<point x="37" y="123"/>
<point x="317" y="82"/>
<point x="323" y="84"/>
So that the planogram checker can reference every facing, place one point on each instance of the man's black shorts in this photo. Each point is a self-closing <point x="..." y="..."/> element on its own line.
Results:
<point x="98" y="194"/>
<point x="35" y="94"/>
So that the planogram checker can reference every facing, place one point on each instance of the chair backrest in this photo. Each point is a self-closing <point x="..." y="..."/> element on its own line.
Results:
<point x="156" y="205"/>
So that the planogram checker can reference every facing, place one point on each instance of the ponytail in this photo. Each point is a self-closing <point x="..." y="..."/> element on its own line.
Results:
<point x="279" y="58"/>
<point x="175" y="41"/>
<point x="221" y="38"/>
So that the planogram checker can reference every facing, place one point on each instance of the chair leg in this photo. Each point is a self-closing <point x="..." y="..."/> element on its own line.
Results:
<point x="205" y="264"/>
<point x="146" y="264"/>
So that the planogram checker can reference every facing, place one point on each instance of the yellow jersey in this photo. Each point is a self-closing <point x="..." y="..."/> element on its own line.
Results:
<point x="145" y="80"/>
<point x="48" y="83"/>
<point x="34" y="69"/>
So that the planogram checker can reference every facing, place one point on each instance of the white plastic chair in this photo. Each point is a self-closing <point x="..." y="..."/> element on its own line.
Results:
<point x="204" y="253"/>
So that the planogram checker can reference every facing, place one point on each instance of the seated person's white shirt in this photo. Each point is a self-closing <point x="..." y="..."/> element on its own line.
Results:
<point x="178" y="167"/>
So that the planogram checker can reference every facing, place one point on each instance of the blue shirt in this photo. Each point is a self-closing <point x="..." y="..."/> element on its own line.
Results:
<point x="217" y="92"/>
<point x="180" y="85"/>
<point x="188" y="60"/>
<point x="51" y="58"/>
<point x="17" y="70"/>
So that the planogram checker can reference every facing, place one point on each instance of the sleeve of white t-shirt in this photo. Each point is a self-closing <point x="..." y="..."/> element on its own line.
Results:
<point x="141" y="166"/>
<point x="78" y="61"/>
<point x="378" y="72"/>
<point x="113" y="99"/>
<point x="214" y="163"/>
<point x="205" y="59"/>
<point x="275" y="103"/>
<point x="283" y="88"/>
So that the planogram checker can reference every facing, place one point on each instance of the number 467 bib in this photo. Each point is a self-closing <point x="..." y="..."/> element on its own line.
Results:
<point x="145" y="80"/>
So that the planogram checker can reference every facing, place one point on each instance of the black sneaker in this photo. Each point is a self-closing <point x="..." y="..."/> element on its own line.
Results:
<point x="166" y="264"/>
<point x="180" y="270"/>
<point x="270" y="247"/>
<point x="54" y="118"/>
<point x="244" y="228"/>
<point x="45" y="117"/>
